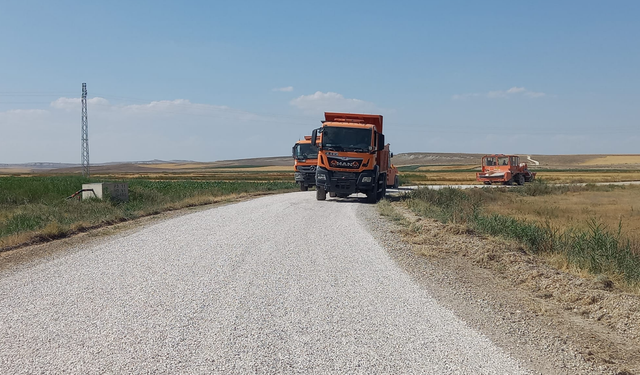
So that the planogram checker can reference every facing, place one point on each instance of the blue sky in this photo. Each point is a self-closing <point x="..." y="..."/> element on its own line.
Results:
<point x="207" y="81"/>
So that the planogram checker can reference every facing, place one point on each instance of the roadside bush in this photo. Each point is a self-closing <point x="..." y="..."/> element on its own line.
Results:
<point x="447" y="204"/>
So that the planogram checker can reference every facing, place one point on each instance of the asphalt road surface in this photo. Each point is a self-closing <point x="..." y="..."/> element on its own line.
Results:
<point x="279" y="284"/>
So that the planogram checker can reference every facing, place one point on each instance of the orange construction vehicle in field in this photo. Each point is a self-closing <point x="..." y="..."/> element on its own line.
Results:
<point x="305" y="157"/>
<point x="505" y="169"/>
<point x="352" y="156"/>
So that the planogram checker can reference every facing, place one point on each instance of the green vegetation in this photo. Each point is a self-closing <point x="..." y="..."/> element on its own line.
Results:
<point x="386" y="209"/>
<point x="593" y="247"/>
<point x="409" y="168"/>
<point x="36" y="208"/>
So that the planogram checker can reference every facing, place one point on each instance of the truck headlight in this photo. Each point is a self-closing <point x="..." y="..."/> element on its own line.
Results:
<point x="322" y="177"/>
<point x="366" y="179"/>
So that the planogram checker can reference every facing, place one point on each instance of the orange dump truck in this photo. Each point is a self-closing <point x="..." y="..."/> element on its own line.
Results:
<point x="352" y="156"/>
<point x="504" y="169"/>
<point x="305" y="157"/>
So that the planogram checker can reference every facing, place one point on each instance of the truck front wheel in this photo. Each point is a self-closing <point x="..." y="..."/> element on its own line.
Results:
<point x="372" y="196"/>
<point x="382" y="192"/>
<point x="303" y="187"/>
<point x="321" y="193"/>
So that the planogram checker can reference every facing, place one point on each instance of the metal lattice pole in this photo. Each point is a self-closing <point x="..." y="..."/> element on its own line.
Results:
<point x="85" y="133"/>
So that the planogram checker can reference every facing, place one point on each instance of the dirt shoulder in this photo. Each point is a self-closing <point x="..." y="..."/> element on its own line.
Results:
<point x="554" y="322"/>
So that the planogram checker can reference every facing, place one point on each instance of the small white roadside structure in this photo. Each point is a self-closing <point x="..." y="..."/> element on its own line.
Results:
<point x="116" y="191"/>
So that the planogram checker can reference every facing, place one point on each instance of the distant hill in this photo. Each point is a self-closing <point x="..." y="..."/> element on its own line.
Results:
<point x="38" y="165"/>
<point x="150" y="166"/>
<point x="587" y="161"/>
<point x="402" y="159"/>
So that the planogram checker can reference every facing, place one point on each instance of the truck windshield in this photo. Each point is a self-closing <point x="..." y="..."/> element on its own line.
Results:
<point x="346" y="139"/>
<point x="490" y="161"/>
<point x="306" y="151"/>
<point x="503" y="161"/>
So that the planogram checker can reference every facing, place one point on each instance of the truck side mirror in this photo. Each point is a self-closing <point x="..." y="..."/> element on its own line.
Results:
<point x="391" y="155"/>
<point x="293" y="152"/>
<point x="314" y="135"/>
<point x="380" y="142"/>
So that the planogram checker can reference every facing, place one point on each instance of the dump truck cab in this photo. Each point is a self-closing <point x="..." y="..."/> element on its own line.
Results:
<point x="352" y="156"/>
<point x="305" y="156"/>
<point x="505" y="169"/>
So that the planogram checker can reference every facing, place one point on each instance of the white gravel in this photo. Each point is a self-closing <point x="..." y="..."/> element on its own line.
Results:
<point x="279" y="284"/>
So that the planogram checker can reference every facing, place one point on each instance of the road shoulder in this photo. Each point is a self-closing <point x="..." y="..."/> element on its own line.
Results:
<point x="30" y="255"/>
<point x="569" y="332"/>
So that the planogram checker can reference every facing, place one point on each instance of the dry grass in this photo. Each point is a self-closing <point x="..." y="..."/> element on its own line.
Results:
<point x="569" y="177"/>
<point x="438" y="178"/>
<point x="424" y="177"/>
<point x="589" y="242"/>
<point x="188" y="168"/>
<point x="223" y="174"/>
<point x="449" y="167"/>
<point x="174" y="166"/>
<point x="15" y="170"/>
<point x="573" y="209"/>
<point x="271" y="168"/>
<point x="614" y="160"/>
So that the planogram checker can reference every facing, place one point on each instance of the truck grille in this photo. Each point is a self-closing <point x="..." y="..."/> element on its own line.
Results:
<point x="345" y="163"/>
<point x="307" y="168"/>
<point x="344" y="175"/>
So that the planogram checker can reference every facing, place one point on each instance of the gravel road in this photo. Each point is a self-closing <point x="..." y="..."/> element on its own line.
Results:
<point x="279" y="284"/>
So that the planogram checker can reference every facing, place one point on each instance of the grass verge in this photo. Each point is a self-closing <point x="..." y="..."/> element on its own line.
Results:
<point x="593" y="247"/>
<point x="35" y="209"/>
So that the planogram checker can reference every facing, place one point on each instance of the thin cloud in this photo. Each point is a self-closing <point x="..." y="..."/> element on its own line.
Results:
<point x="165" y="129"/>
<point x="24" y="112"/>
<point x="72" y="104"/>
<point x="158" y="107"/>
<point x="283" y="89"/>
<point x="330" y="101"/>
<point x="501" y="94"/>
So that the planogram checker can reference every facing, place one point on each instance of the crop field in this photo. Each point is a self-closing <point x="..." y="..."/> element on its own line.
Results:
<point x="613" y="160"/>
<point x="223" y="175"/>
<point x="35" y="208"/>
<point x="459" y="175"/>
<point x="614" y="207"/>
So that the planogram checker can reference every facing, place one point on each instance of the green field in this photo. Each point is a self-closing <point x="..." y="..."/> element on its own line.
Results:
<point x="34" y="209"/>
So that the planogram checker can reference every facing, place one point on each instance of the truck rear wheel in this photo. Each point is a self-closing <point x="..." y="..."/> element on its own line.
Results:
<point x="396" y="183"/>
<point x="321" y="193"/>
<point x="520" y="179"/>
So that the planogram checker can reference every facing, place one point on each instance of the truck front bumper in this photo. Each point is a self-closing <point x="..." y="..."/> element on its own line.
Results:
<point x="307" y="178"/>
<point x="345" y="182"/>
